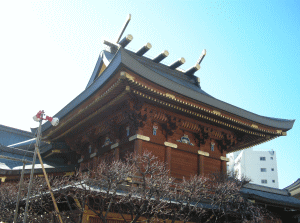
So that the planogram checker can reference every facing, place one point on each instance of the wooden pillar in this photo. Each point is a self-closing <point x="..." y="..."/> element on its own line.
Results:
<point x="116" y="149"/>
<point x="117" y="153"/>
<point x="168" y="152"/>
<point x="201" y="155"/>
<point x="95" y="162"/>
<point x="200" y="165"/>
<point x="137" y="146"/>
<point x="223" y="164"/>
<point x="224" y="167"/>
<point x="168" y="157"/>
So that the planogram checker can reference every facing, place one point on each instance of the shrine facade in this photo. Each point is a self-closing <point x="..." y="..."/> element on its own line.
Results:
<point x="133" y="103"/>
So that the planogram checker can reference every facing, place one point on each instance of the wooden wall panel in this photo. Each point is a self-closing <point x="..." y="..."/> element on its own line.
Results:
<point x="211" y="165"/>
<point x="183" y="164"/>
<point x="155" y="149"/>
<point x="125" y="149"/>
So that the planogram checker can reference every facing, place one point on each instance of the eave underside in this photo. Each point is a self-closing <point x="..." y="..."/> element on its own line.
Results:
<point x="163" y="79"/>
<point x="125" y="88"/>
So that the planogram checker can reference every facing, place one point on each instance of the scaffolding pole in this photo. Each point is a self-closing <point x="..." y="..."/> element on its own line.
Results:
<point x="14" y="159"/>
<point x="32" y="170"/>
<point x="37" y="152"/>
<point x="49" y="187"/>
<point x="19" y="193"/>
<point x="21" y="181"/>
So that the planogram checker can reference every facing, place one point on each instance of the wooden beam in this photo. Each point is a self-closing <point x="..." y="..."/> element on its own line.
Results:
<point x="124" y="27"/>
<point x="201" y="57"/>
<point x="190" y="72"/>
<point x="177" y="63"/>
<point x="161" y="56"/>
<point x="126" y="40"/>
<point x="144" y="49"/>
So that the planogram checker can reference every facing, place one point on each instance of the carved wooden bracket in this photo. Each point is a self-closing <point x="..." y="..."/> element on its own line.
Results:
<point x="172" y="125"/>
<point x="203" y="135"/>
<point x="160" y="116"/>
<point x="137" y="118"/>
<point x="137" y="114"/>
<point x="228" y="141"/>
<point x="101" y="127"/>
<point x="190" y="125"/>
<point x="91" y="138"/>
<point x="75" y="145"/>
<point x="240" y="136"/>
<point x="71" y="143"/>
<point x="114" y="129"/>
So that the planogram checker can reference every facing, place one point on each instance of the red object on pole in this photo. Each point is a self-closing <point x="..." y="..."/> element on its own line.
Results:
<point x="48" y="118"/>
<point x="41" y="116"/>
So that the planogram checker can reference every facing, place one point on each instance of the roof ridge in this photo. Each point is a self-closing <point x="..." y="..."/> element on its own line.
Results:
<point x="272" y="190"/>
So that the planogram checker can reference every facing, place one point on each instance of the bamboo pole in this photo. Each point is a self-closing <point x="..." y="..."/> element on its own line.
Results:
<point x="37" y="152"/>
<point x="49" y="187"/>
<point x="31" y="173"/>
<point x="19" y="193"/>
<point x="14" y="159"/>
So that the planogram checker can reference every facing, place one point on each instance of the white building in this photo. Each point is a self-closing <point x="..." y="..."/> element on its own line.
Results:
<point x="259" y="166"/>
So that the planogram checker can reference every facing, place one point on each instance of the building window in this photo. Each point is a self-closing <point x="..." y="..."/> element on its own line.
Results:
<point x="272" y="169"/>
<point x="271" y="158"/>
<point x="262" y="158"/>
<point x="273" y="181"/>
<point x="264" y="181"/>
<point x="263" y="170"/>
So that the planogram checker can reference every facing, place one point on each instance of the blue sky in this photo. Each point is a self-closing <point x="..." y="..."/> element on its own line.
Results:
<point x="49" y="50"/>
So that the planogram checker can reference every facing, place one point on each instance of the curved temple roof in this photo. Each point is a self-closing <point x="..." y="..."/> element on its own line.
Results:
<point x="162" y="75"/>
<point x="279" y="197"/>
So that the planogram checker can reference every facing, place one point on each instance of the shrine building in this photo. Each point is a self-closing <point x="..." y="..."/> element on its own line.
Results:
<point x="133" y="103"/>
